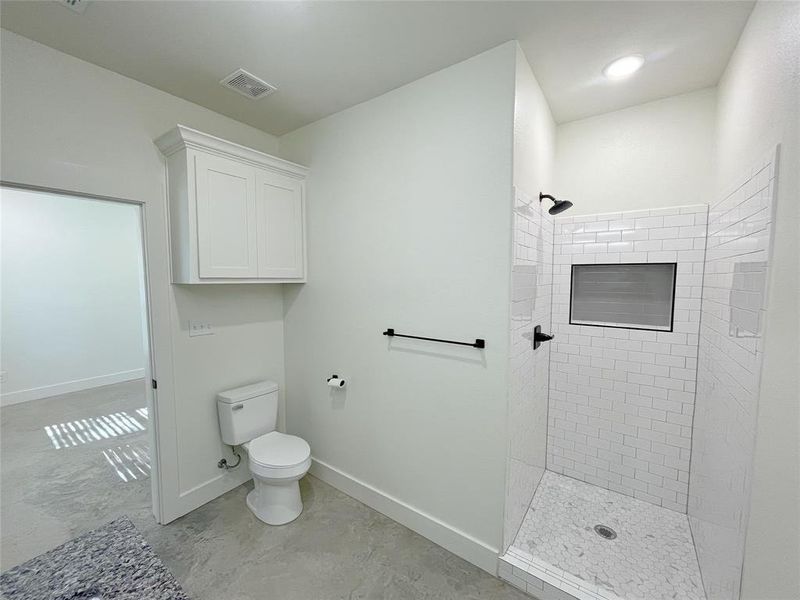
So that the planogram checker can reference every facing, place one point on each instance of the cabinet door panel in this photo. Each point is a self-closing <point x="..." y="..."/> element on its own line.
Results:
<point x="226" y="218"/>
<point x="280" y="226"/>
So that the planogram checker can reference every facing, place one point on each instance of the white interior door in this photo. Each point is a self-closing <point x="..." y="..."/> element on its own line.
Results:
<point x="279" y="202"/>
<point x="226" y="218"/>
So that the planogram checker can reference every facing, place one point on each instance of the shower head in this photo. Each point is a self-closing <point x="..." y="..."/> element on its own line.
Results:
<point x="559" y="206"/>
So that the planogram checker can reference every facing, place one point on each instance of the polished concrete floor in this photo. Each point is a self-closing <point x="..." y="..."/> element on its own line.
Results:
<point x="55" y="478"/>
<point x="58" y="483"/>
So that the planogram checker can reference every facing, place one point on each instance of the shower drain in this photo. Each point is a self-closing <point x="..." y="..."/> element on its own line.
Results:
<point x="604" y="531"/>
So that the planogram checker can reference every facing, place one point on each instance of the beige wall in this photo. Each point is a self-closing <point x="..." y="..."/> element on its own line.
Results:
<point x="652" y="155"/>
<point x="409" y="219"/>
<point x="759" y="107"/>
<point x="72" y="291"/>
<point x="531" y="277"/>
<point x="70" y="125"/>
<point x="534" y="133"/>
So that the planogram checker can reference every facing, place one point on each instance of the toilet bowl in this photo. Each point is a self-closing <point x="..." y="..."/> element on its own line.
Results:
<point x="277" y="462"/>
<point x="248" y="418"/>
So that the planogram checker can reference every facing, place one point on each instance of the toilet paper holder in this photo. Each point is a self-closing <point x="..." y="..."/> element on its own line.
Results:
<point x="335" y="381"/>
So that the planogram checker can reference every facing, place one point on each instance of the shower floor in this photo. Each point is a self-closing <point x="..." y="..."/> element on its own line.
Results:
<point x="557" y="549"/>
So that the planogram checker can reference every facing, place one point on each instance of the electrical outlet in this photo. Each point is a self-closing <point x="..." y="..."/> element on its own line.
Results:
<point x="200" y="328"/>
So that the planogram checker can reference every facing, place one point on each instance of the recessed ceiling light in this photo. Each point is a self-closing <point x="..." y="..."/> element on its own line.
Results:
<point x="624" y="67"/>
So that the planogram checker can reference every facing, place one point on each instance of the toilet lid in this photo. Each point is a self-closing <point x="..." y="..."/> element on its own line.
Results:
<point x="276" y="449"/>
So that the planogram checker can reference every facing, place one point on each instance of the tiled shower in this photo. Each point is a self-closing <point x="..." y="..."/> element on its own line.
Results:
<point x="531" y="305"/>
<point x="631" y="445"/>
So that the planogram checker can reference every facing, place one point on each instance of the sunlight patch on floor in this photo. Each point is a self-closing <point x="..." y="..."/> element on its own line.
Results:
<point x="131" y="461"/>
<point x="94" y="429"/>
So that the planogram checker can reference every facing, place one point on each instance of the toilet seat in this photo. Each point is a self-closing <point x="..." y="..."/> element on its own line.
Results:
<point x="276" y="455"/>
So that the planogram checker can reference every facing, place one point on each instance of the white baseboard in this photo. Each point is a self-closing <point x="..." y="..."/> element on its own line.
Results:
<point x="456" y="541"/>
<point x="66" y="387"/>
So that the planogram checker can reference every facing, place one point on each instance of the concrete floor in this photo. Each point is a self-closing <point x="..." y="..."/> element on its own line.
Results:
<point x="338" y="547"/>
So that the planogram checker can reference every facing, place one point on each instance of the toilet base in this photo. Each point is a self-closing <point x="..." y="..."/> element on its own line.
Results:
<point x="275" y="503"/>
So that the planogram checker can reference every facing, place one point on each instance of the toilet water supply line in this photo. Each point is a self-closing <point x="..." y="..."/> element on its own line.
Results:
<point x="223" y="462"/>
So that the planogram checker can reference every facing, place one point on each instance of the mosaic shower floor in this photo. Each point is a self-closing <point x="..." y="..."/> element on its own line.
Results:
<point x="557" y="549"/>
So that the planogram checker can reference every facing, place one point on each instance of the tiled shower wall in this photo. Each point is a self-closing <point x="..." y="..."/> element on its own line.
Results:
<point x="531" y="282"/>
<point x="622" y="400"/>
<point x="728" y="378"/>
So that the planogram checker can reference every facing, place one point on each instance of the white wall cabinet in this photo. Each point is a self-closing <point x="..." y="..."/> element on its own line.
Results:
<point x="279" y="222"/>
<point x="236" y="214"/>
<point x="225" y="192"/>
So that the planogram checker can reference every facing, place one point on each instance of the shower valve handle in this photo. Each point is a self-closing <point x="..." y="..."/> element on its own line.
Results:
<point x="539" y="337"/>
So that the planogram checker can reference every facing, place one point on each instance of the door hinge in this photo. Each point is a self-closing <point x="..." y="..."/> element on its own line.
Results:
<point x="155" y="384"/>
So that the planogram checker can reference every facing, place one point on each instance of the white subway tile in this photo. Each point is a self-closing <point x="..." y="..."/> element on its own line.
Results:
<point x="663" y="233"/>
<point x="648" y="222"/>
<point x="647" y="246"/>
<point x="625" y="390"/>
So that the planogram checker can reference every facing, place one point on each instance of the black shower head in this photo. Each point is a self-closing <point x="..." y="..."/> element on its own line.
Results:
<point x="558" y="205"/>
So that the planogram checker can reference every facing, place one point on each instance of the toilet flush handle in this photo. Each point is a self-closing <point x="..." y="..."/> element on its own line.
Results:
<point x="237" y="407"/>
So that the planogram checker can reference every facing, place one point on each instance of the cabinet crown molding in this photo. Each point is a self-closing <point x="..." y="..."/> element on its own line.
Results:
<point x="182" y="137"/>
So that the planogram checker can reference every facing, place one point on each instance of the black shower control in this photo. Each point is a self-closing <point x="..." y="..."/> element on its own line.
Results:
<point x="539" y="337"/>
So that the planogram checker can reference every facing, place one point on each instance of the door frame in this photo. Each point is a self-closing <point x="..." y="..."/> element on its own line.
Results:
<point x="158" y="342"/>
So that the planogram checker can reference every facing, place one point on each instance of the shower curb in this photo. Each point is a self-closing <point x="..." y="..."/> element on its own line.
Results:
<point x="544" y="581"/>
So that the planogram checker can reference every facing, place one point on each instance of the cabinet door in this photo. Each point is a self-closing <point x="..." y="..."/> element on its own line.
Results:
<point x="226" y="218"/>
<point x="279" y="202"/>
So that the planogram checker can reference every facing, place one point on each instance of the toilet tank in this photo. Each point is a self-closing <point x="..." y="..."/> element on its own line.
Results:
<point x="247" y="412"/>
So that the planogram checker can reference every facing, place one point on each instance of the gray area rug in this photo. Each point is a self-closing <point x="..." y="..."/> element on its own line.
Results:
<point x="110" y="562"/>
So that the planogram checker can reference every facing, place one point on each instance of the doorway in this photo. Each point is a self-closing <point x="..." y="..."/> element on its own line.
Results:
<point x="75" y="402"/>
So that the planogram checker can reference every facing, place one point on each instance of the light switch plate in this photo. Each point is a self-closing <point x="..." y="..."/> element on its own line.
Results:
<point x="200" y="328"/>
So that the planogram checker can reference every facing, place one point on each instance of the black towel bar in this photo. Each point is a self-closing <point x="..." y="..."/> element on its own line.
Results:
<point x="478" y="343"/>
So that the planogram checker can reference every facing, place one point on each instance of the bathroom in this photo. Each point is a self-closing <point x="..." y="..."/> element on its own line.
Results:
<point x="420" y="169"/>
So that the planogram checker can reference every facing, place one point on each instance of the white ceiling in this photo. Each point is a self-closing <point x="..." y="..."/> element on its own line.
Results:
<point x="327" y="56"/>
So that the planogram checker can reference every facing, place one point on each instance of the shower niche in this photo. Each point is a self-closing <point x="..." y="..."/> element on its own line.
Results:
<point x="627" y="296"/>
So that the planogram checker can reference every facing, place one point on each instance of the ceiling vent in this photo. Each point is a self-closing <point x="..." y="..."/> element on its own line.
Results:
<point x="76" y="5"/>
<point x="247" y="84"/>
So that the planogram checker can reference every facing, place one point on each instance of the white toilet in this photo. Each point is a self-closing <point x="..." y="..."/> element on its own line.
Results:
<point x="247" y="417"/>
